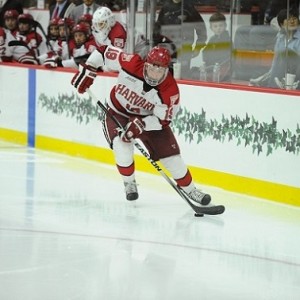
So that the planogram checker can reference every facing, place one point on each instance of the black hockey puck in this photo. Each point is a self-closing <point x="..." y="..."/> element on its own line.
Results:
<point x="198" y="215"/>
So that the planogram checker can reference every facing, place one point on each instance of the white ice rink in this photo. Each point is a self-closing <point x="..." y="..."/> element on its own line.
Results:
<point x="67" y="232"/>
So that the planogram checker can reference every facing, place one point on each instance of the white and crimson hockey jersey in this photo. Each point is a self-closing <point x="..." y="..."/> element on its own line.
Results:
<point x="32" y="40"/>
<point x="84" y="50"/>
<point x="5" y="51"/>
<point x="116" y="37"/>
<point x="132" y="95"/>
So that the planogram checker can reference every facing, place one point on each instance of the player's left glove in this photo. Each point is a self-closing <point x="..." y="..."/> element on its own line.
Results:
<point x="84" y="78"/>
<point x="133" y="129"/>
<point x="28" y="58"/>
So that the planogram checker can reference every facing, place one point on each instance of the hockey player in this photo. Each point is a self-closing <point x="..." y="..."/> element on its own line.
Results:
<point x="144" y="100"/>
<point x="26" y="33"/>
<point x="11" y="20"/>
<point x="53" y="32"/>
<point x="7" y="34"/>
<point x="108" y="31"/>
<point x="52" y="42"/>
<point x="60" y="46"/>
<point x="65" y="27"/>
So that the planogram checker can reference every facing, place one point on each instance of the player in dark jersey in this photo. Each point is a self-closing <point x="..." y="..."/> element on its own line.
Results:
<point x="144" y="100"/>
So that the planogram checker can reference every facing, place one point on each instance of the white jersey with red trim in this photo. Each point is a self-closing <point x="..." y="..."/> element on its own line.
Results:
<point x="5" y="37"/>
<point x="84" y="50"/>
<point x="87" y="48"/>
<point x="133" y="96"/>
<point x="63" y="48"/>
<point x="116" y="37"/>
<point x="33" y="41"/>
<point x="55" y="46"/>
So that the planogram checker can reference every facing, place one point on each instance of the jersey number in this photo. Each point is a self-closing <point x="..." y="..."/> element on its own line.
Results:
<point x="111" y="54"/>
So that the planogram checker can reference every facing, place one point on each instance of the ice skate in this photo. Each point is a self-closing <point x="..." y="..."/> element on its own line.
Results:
<point x="131" y="190"/>
<point x="199" y="197"/>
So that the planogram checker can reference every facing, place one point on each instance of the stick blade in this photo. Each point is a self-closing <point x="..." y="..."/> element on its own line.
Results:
<point x="210" y="210"/>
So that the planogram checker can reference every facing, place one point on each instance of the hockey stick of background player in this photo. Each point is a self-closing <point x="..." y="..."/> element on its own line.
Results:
<point x="67" y="36"/>
<point x="18" y="43"/>
<point x="38" y="25"/>
<point x="199" y="210"/>
<point x="36" y="38"/>
<point x="23" y="44"/>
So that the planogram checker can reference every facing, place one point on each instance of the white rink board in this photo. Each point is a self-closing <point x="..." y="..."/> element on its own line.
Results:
<point x="66" y="127"/>
<point x="14" y="98"/>
<point x="279" y="167"/>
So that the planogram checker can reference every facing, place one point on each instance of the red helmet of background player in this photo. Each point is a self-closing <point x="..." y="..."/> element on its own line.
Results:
<point x="25" y="18"/>
<point x="11" y="19"/>
<point x="11" y="14"/>
<point x="82" y="28"/>
<point x="81" y="39"/>
<point x="68" y="22"/>
<point x="85" y="18"/>
<point x="54" y="22"/>
<point x="156" y="66"/>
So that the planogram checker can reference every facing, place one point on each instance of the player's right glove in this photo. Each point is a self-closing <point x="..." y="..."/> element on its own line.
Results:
<point x="133" y="129"/>
<point x="84" y="78"/>
<point x="53" y="61"/>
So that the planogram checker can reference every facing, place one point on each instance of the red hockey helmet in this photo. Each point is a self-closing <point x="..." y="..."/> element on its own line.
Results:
<point x="156" y="66"/>
<point x="66" y="22"/>
<point x="53" y="22"/>
<point x="11" y="14"/>
<point x="86" y="18"/>
<point x="159" y="56"/>
<point x="25" y="18"/>
<point x="81" y="28"/>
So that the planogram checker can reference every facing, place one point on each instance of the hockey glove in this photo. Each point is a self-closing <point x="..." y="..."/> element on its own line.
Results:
<point x="28" y="59"/>
<point x="52" y="62"/>
<point x="133" y="129"/>
<point x="163" y="112"/>
<point x="84" y="78"/>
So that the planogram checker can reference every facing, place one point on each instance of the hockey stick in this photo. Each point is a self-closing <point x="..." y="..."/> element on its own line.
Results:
<point x="199" y="210"/>
<point x="18" y="43"/>
<point x="38" y="25"/>
<point x="67" y="33"/>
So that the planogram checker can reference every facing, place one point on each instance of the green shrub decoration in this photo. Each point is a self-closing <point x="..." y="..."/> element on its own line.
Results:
<point x="195" y="127"/>
<point x="80" y="108"/>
